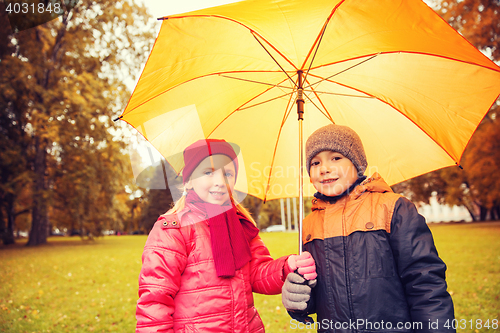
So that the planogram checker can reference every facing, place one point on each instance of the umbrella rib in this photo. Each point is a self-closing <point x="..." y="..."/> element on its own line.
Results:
<point x="254" y="33"/>
<point x="252" y="81"/>
<point x="201" y="77"/>
<point x="343" y="71"/>
<point x="317" y="46"/>
<point x="410" y="52"/>
<point x="349" y="87"/>
<point x="285" y="117"/>
<point x="337" y="94"/>
<point x="241" y="107"/>
<point x="409" y="119"/>
<point x="260" y="103"/>
<point x="327" y="115"/>
<point x="325" y="110"/>
<point x="277" y="63"/>
<point x="318" y="40"/>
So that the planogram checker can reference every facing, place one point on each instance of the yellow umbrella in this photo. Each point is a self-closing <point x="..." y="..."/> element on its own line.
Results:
<point x="394" y="71"/>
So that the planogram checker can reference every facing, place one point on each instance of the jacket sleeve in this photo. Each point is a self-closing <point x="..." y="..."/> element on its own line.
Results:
<point x="421" y="270"/>
<point x="266" y="275"/>
<point x="163" y="262"/>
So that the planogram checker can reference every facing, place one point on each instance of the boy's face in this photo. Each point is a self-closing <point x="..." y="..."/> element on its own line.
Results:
<point x="207" y="180"/>
<point x="332" y="173"/>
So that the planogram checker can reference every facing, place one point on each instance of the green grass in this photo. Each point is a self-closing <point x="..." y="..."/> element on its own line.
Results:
<point x="472" y="253"/>
<point x="74" y="286"/>
<point x="71" y="286"/>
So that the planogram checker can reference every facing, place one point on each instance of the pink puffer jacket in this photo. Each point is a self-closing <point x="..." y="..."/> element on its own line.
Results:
<point x="179" y="290"/>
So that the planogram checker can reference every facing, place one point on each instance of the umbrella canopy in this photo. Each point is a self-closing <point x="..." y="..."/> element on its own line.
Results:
<point x="394" y="71"/>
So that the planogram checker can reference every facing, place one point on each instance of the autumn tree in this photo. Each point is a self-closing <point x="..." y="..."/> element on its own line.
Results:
<point x="254" y="206"/>
<point x="270" y="214"/>
<point x="64" y="83"/>
<point x="157" y="183"/>
<point x="476" y="20"/>
<point x="14" y="140"/>
<point x="481" y="180"/>
<point x="476" y="185"/>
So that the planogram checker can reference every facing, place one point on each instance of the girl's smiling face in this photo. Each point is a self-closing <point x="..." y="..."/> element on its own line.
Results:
<point x="209" y="179"/>
<point x="332" y="173"/>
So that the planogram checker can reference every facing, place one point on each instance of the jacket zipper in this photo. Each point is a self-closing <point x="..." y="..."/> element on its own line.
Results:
<point x="346" y="266"/>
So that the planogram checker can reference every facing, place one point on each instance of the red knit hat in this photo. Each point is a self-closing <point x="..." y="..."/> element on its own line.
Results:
<point x="201" y="149"/>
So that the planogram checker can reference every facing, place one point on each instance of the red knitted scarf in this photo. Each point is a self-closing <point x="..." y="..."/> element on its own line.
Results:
<point x="230" y="233"/>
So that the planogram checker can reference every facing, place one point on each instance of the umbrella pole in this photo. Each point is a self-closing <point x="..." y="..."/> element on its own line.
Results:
<point x="300" y="113"/>
<point x="301" y="188"/>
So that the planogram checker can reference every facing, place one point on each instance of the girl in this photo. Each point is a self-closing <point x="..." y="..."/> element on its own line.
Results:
<point x="204" y="257"/>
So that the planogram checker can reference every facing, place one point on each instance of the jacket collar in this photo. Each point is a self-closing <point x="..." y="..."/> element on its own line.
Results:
<point x="190" y="214"/>
<point x="334" y="199"/>
<point x="373" y="184"/>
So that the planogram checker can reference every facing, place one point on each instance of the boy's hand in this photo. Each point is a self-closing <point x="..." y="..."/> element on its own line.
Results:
<point x="304" y="264"/>
<point x="295" y="293"/>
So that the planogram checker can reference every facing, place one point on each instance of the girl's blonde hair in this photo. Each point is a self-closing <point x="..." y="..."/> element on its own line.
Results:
<point x="181" y="204"/>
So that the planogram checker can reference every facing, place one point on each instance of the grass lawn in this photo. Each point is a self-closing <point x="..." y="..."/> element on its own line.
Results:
<point x="75" y="286"/>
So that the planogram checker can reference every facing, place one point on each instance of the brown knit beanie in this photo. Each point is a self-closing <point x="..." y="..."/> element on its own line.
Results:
<point x="341" y="139"/>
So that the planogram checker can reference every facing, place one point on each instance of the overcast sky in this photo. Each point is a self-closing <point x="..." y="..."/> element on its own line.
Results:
<point x="161" y="8"/>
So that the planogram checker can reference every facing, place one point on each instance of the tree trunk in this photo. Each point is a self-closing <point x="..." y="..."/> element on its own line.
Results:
<point x="8" y="236"/>
<point x="483" y="213"/>
<point x="471" y="212"/>
<point x="39" y="219"/>
<point x="7" y="233"/>
<point x="496" y="212"/>
<point x="256" y="211"/>
<point x="2" y="223"/>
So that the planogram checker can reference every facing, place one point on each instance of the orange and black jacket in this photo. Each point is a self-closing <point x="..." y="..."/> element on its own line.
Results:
<point x="378" y="269"/>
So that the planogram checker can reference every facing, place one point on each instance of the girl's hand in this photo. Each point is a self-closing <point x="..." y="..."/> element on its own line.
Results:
<point x="304" y="264"/>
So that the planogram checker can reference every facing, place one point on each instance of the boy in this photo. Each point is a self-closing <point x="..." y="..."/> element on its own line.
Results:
<point x="378" y="269"/>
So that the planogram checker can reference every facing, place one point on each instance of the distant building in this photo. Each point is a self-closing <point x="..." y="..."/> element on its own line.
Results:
<point x="435" y="212"/>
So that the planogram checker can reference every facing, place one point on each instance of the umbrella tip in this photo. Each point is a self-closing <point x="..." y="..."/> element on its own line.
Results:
<point x="460" y="166"/>
<point x="118" y="118"/>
